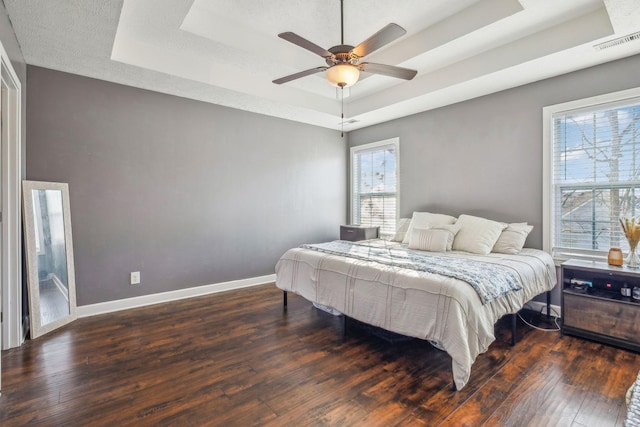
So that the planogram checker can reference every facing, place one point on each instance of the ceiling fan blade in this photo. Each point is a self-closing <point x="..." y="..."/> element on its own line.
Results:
<point x="305" y="44"/>
<point x="379" y="39"/>
<point x="388" y="70"/>
<point x="299" y="74"/>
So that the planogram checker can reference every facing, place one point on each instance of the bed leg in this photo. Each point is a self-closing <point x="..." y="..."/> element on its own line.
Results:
<point x="514" y="320"/>
<point x="548" y="304"/>
<point x="344" y="327"/>
<point x="284" y="299"/>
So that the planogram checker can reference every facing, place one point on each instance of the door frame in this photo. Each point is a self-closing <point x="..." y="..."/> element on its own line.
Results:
<point x="12" y="330"/>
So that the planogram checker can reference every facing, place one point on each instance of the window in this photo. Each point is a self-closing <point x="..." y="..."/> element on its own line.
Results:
<point x="592" y="162"/>
<point x="374" y="185"/>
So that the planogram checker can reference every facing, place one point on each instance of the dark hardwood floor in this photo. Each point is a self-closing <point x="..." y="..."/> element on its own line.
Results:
<point x="237" y="359"/>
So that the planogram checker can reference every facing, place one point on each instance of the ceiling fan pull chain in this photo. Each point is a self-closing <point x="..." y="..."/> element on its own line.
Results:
<point x="342" y="109"/>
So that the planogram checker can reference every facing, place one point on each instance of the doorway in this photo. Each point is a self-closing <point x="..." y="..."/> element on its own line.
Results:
<point x="11" y="330"/>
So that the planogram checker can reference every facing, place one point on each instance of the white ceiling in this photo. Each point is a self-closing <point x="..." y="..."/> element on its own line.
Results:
<point x="227" y="51"/>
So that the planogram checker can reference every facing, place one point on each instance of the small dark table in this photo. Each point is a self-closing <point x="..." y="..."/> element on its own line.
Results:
<point x="354" y="233"/>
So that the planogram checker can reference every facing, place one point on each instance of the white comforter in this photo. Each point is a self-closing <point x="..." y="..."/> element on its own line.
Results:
<point x="418" y="304"/>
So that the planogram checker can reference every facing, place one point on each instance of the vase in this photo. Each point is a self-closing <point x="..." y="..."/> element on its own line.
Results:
<point x="632" y="259"/>
<point x="615" y="257"/>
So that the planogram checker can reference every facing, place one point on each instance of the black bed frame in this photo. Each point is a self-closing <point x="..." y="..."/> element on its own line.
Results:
<point x="514" y="317"/>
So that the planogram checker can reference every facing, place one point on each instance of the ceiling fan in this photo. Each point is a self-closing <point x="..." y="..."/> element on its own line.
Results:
<point x="343" y="61"/>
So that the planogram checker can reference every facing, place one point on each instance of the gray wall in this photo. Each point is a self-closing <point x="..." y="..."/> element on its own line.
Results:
<point x="185" y="192"/>
<point x="191" y="193"/>
<point x="484" y="156"/>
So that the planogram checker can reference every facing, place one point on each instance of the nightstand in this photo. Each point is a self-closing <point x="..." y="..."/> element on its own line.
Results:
<point x="354" y="233"/>
<point x="596" y="306"/>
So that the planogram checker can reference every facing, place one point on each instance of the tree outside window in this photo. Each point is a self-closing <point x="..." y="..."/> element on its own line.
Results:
<point x="596" y="175"/>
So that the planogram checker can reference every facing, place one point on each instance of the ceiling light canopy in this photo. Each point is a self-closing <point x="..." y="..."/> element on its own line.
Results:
<point x="343" y="75"/>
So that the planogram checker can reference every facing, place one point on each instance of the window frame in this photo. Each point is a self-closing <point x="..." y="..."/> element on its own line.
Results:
<point x="548" y="190"/>
<point x="395" y="142"/>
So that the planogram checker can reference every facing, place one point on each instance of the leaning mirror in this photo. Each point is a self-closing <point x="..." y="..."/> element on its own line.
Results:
<point x="49" y="255"/>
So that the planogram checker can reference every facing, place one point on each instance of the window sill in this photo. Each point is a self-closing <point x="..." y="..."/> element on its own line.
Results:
<point x="558" y="259"/>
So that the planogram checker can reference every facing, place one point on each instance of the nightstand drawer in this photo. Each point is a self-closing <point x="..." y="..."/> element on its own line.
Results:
<point x="355" y="232"/>
<point x="600" y="316"/>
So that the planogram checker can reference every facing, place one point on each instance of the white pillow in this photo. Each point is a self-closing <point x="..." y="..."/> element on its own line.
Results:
<point x="477" y="235"/>
<point x="428" y="239"/>
<point x="512" y="238"/>
<point x="427" y="220"/>
<point x="451" y="231"/>
<point x="401" y="229"/>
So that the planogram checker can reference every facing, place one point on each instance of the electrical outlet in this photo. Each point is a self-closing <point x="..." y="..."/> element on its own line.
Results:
<point x="135" y="277"/>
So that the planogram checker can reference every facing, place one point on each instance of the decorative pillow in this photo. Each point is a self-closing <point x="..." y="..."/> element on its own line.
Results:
<point x="477" y="235"/>
<point x="512" y="238"/>
<point x="401" y="229"/>
<point x="427" y="220"/>
<point x="428" y="239"/>
<point x="451" y="230"/>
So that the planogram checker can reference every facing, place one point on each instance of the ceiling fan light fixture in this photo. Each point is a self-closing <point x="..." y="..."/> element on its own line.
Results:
<point x="344" y="61"/>
<point x="343" y="75"/>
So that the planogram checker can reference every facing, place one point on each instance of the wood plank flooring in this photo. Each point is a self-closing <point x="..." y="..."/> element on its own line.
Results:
<point x="238" y="359"/>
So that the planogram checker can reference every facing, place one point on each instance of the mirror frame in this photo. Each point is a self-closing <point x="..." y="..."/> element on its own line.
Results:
<point x="36" y="327"/>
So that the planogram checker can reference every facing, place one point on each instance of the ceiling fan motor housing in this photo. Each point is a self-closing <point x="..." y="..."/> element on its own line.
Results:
<point x="342" y="54"/>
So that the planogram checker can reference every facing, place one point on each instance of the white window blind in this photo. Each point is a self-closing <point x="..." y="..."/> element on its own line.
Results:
<point x="595" y="177"/>
<point x="374" y="185"/>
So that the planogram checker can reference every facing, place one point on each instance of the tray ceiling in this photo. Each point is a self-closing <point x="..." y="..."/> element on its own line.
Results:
<point x="227" y="51"/>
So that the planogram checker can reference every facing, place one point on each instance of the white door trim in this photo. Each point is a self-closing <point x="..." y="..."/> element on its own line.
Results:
<point x="11" y="170"/>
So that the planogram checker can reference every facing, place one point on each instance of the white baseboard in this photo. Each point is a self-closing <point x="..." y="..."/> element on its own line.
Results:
<point x="141" y="301"/>
<point x="541" y="307"/>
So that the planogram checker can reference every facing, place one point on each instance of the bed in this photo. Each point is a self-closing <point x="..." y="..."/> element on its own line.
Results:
<point x="386" y="284"/>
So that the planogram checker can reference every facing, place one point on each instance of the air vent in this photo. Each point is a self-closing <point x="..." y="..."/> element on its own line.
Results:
<point x="348" y="122"/>
<point x="620" y="40"/>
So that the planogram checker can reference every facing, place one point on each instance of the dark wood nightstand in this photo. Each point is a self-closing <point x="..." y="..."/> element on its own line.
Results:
<point x="594" y="306"/>
<point x="354" y="233"/>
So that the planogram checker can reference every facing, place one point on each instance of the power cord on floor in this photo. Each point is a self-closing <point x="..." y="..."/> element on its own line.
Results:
<point x="555" y="317"/>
